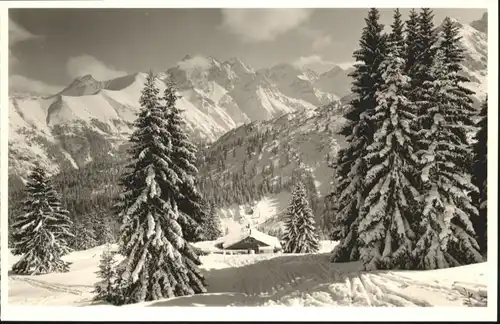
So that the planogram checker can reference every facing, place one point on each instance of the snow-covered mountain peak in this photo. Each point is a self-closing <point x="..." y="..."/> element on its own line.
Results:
<point x="162" y="75"/>
<point x="137" y="79"/>
<point x="454" y="21"/>
<point x="86" y="79"/>
<point x="286" y="70"/>
<point x="217" y="96"/>
<point x="214" y="62"/>
<point x="82" y="86"/>
<point x="198" y="62"/>
<point x="335" y="80"/>
<point x="239" y="66"/>
<point x="187" y="57"/>
<point x="481" y="24"/>
<point x="336" y="70"/>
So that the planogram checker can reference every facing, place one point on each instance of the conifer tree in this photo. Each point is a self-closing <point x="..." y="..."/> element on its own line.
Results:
<point x="106" y="290"/>
<point x="480" y="177"/>
<point x="385" y="231"/>
<point x="102" y="228"/>
<point x="396" y="39"/>
<point x="41" y="234"/>
<point x="425" y="46"/>
<point x="350" y="168"/>
<point x="190" y="201"/>
<point x="212" y="227"/>
<point x="446" y="235"/>
<point x="411" y="40"/>
<point x="300" y="232"/>
<point x="159" y="262"/>
<point x="84" y="235"/>
<point x="420" y="51"/>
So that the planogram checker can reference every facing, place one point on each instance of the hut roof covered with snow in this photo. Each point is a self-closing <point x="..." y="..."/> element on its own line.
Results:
<point x="249" y="235"/>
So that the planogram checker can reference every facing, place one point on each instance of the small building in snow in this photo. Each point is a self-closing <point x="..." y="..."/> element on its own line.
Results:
<point x="250" y="240"/>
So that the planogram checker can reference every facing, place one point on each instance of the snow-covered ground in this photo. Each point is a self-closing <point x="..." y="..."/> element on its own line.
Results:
<point x="272" y="280"/>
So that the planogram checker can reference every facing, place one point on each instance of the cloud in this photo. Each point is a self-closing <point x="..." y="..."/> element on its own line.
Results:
<point x="320" y="40"/>
<point x="13" y="60"/>
<point x="86" y="64"/>
<point x="308" y="60"/>
<point x="262" y="25"/>
<point x="197" y="61"/>
<point x="18" y="33"/>
<point x="346" y="65"/>
<point x="22" y="84"/>
<point x="318" y="64"/>
<point x="315" y="63"/>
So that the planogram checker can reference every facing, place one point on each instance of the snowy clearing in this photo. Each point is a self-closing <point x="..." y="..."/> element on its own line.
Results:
<point x="272" y="280"/>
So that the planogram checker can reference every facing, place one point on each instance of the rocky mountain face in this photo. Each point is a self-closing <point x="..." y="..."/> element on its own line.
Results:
<point x="92" y="117"/>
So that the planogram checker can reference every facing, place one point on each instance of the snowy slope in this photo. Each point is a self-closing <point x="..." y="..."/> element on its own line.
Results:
<point x="260" y="214"/>
<point x="481" y="24"/>
<point x="301" y="84"/>
<point x="272" y="280"/>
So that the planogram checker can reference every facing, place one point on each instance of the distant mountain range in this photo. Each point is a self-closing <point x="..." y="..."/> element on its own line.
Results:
<point x="92" y="117"/>
<point x="216" y="97"/>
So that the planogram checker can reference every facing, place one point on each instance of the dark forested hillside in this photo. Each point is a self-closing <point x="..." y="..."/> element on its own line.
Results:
<point x="246" y="164"/>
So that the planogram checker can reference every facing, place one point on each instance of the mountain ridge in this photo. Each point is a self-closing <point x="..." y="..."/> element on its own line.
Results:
<point x="216" y="97"/>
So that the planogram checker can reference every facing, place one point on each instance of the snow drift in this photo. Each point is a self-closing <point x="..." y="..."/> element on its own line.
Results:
<point x="273" y="280"/>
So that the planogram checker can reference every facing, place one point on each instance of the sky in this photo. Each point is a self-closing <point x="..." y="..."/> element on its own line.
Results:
<point x="48" y="48"/>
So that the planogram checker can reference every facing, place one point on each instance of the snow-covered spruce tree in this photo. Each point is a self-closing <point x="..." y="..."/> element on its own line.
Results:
<point x="105" y="290"/>
<point x="419" y="72"/>
<point x="192" y="212"/>
<point x="158" y="263"/>
<point x="446" y="236"/>
<point x="385" y="234"/>
<point x="396" y="41"/>
<point x="41" y="234"/>
<point x="420" y="51"/>
<point x="425" y="47"/>
<point x="84" y="236"/>
<point x="480" y="177"/>
<point x="212" y="227"/>
<point x="300" y="233"/>
<point x="102" y="229"/>
<point x="411" y="40"/>
<point x="350" y="169"/>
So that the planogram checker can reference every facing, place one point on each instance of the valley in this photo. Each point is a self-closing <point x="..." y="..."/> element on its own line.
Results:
<point x="254" y="128"/>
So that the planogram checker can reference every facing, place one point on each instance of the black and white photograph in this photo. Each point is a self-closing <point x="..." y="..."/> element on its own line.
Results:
<point x="248" y="157"/>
